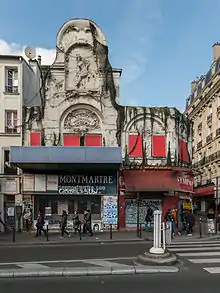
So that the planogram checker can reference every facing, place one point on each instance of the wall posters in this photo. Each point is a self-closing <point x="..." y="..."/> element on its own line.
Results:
<point x="110" y="210"/>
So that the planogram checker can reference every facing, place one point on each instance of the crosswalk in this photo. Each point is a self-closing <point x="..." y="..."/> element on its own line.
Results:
<point x="203" y="253"/>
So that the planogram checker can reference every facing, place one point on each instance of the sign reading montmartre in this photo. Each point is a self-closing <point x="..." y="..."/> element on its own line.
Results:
<point x="87" y="184"/>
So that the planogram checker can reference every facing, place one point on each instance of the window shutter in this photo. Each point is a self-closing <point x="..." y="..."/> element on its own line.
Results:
<point x="158" y="146"/>
<point x="35" y="139"/>
<point x="71" y="140"/>
<point x="135" y="145"/>
<point x="93" y="140"/>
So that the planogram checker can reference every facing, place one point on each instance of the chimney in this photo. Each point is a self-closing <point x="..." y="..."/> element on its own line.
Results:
<point x="39" y="59"/>
<point x="216" y="51"/>
<point x="194" y="84"/>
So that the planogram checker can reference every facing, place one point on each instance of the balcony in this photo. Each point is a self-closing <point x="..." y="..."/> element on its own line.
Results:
<point x="200" y="127"/>
<point x="209" y="138"/>
<point x="207" y="160"/>
<point x="11" y="89"/>
<point x="217" y="132"/>
<point x="199" y="145"/>
<point x="209" y="119"/>
<point x="218" y="110"/>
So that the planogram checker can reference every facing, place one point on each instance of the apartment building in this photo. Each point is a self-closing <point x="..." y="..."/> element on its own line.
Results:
<point x="203" y="109"/>
<point x="19" y="83"/>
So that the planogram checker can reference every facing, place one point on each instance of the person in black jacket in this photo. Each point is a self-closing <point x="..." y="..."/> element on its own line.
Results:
<point x="64" y="224"/>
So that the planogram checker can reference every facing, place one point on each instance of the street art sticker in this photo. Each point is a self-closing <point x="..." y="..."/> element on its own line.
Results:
<point x="110" y="210"/>
<point x="131" y="210"/>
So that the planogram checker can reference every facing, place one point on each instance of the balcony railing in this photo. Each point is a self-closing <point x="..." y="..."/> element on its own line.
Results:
<point x="209" y="118"/>
<point x="207" y="160"/>
<point x="11" y="89"/>
<point x="199" y="145"/>
<point x="218" y="110"/>
<point x="11" y="130"/>
<point x="209" y="138"/>
<point x="217" y="132"/>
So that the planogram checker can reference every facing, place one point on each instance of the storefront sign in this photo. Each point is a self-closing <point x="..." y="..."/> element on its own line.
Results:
<point x="87" y="184"/>
<point x="185" y="182"/>
<point x="187" y="206"/>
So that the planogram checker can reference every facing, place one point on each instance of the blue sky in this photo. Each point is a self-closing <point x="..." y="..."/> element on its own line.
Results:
<point x="161" y="45"/>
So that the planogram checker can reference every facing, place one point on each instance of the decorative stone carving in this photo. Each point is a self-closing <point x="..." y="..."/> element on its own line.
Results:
<point x="81" y="70"/>
<point x="81" y="121"/>
<point x="56" y="88"/>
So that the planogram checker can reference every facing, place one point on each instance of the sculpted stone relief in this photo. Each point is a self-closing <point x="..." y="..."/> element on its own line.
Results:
<point x="81" y="70"/>
<point x="81" y="121"/>
<point x="55" y="91"/>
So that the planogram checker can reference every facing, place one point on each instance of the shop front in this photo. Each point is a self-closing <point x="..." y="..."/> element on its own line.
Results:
<point x="158" y="189"/>
<point x="204" y="197"/>
<point x="73" y="187"/>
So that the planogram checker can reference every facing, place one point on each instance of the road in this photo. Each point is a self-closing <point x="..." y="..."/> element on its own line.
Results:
<point x="71" y="252"/>
<point x="181" y="283"/>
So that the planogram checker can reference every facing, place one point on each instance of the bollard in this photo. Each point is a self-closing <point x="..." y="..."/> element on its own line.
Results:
<point x="200" y="227"/>
<point x="110" y="231"/>
<point x="164" y="237"/>
<point x="140" y="231"/>
<point x="13" y="232"/>
<point x="47" y="233"/>
<point x="80" y="232"/>
<point x="157" y="249"/>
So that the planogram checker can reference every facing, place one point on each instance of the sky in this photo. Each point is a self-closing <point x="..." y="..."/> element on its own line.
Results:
<point x="160" y="45"/>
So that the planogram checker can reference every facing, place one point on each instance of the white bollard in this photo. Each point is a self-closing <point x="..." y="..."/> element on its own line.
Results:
<point x="157" y="249"/>
<point x="164" y="236"/>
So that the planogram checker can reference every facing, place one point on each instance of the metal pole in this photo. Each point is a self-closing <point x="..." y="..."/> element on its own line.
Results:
<point x="140" y="231"/>
<point x="216" y="207"/>
<point x="13" y="232"/>
<point x="110" y="231"/>
<point x="200" y="227"/>
<point x="138" y="213"/>
<point x="164" y="237"/>
<point x="47" y="233"/>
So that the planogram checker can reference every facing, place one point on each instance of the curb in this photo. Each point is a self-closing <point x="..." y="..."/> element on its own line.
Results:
<point x="91" y="271"/>
<point x="45" y="243"/>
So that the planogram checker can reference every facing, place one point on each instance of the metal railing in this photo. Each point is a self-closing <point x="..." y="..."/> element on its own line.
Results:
<point x="11" y="89"/>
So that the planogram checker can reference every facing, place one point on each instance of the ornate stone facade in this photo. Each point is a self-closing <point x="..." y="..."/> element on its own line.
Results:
<point x="81" y="96"/>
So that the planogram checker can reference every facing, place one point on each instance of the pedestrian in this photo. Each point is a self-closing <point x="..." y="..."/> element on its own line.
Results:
<point x="169" y="220"/>
<point x="190" y="222"/>
<point x="64" y="224"/>
<point x="76" y="222"/>
<point x="89" y="222"/>
<point x="28" y="218"/>
<point x="210" y="221"/>
<point x="40" y="224"/>
<point x="148" y="218"/>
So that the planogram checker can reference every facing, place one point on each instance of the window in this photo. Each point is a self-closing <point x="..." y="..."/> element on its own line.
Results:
<point x="93" y="140"/>
<point x="8" y="169"/>
<point x="135" y="145"/>
<point x="209" y="130"/>
<point x="11" y="80"/>
<point x="11" y="121"/>
<point x="71" y="140"/>
<point x="158" y="146"/>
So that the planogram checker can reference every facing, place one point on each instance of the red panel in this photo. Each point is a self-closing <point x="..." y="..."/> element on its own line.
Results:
<point x="158" y="146"/>
<point x="205" y="190"/>
<point x="183" y="151"/>
<point x="93" y="140"/>
<point x="135" y="146"/>
<point x="35" y="138"/>
<point x="71" y="140"/>
<point x="151" y="180"/>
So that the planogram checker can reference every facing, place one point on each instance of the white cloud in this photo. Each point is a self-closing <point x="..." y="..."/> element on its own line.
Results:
<point x="47" y="55"/>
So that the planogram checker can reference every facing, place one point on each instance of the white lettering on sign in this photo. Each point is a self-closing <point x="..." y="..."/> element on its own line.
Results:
<point x="81" y="179"/>
<point x="81" y="189"/>
<point x="185" y="180"/>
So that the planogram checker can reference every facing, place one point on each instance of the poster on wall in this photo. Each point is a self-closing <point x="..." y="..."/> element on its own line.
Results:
<point x="131" y="210"/>
<point x="110" y="209"/>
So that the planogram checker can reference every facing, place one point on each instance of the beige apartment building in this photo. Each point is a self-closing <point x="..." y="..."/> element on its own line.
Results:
<point x="19" y="86"/>
<point x="203" y="109"/>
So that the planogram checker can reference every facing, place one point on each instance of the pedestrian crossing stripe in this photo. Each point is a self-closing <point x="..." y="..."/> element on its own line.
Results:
<point x="203" y="253"/>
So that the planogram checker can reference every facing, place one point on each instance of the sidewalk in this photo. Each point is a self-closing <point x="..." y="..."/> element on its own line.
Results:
<point x="25" y="238"/>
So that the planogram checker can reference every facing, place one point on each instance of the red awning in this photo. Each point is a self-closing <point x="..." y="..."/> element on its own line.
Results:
<point x="150" y="180"/>
<point x="205" y="190"/>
